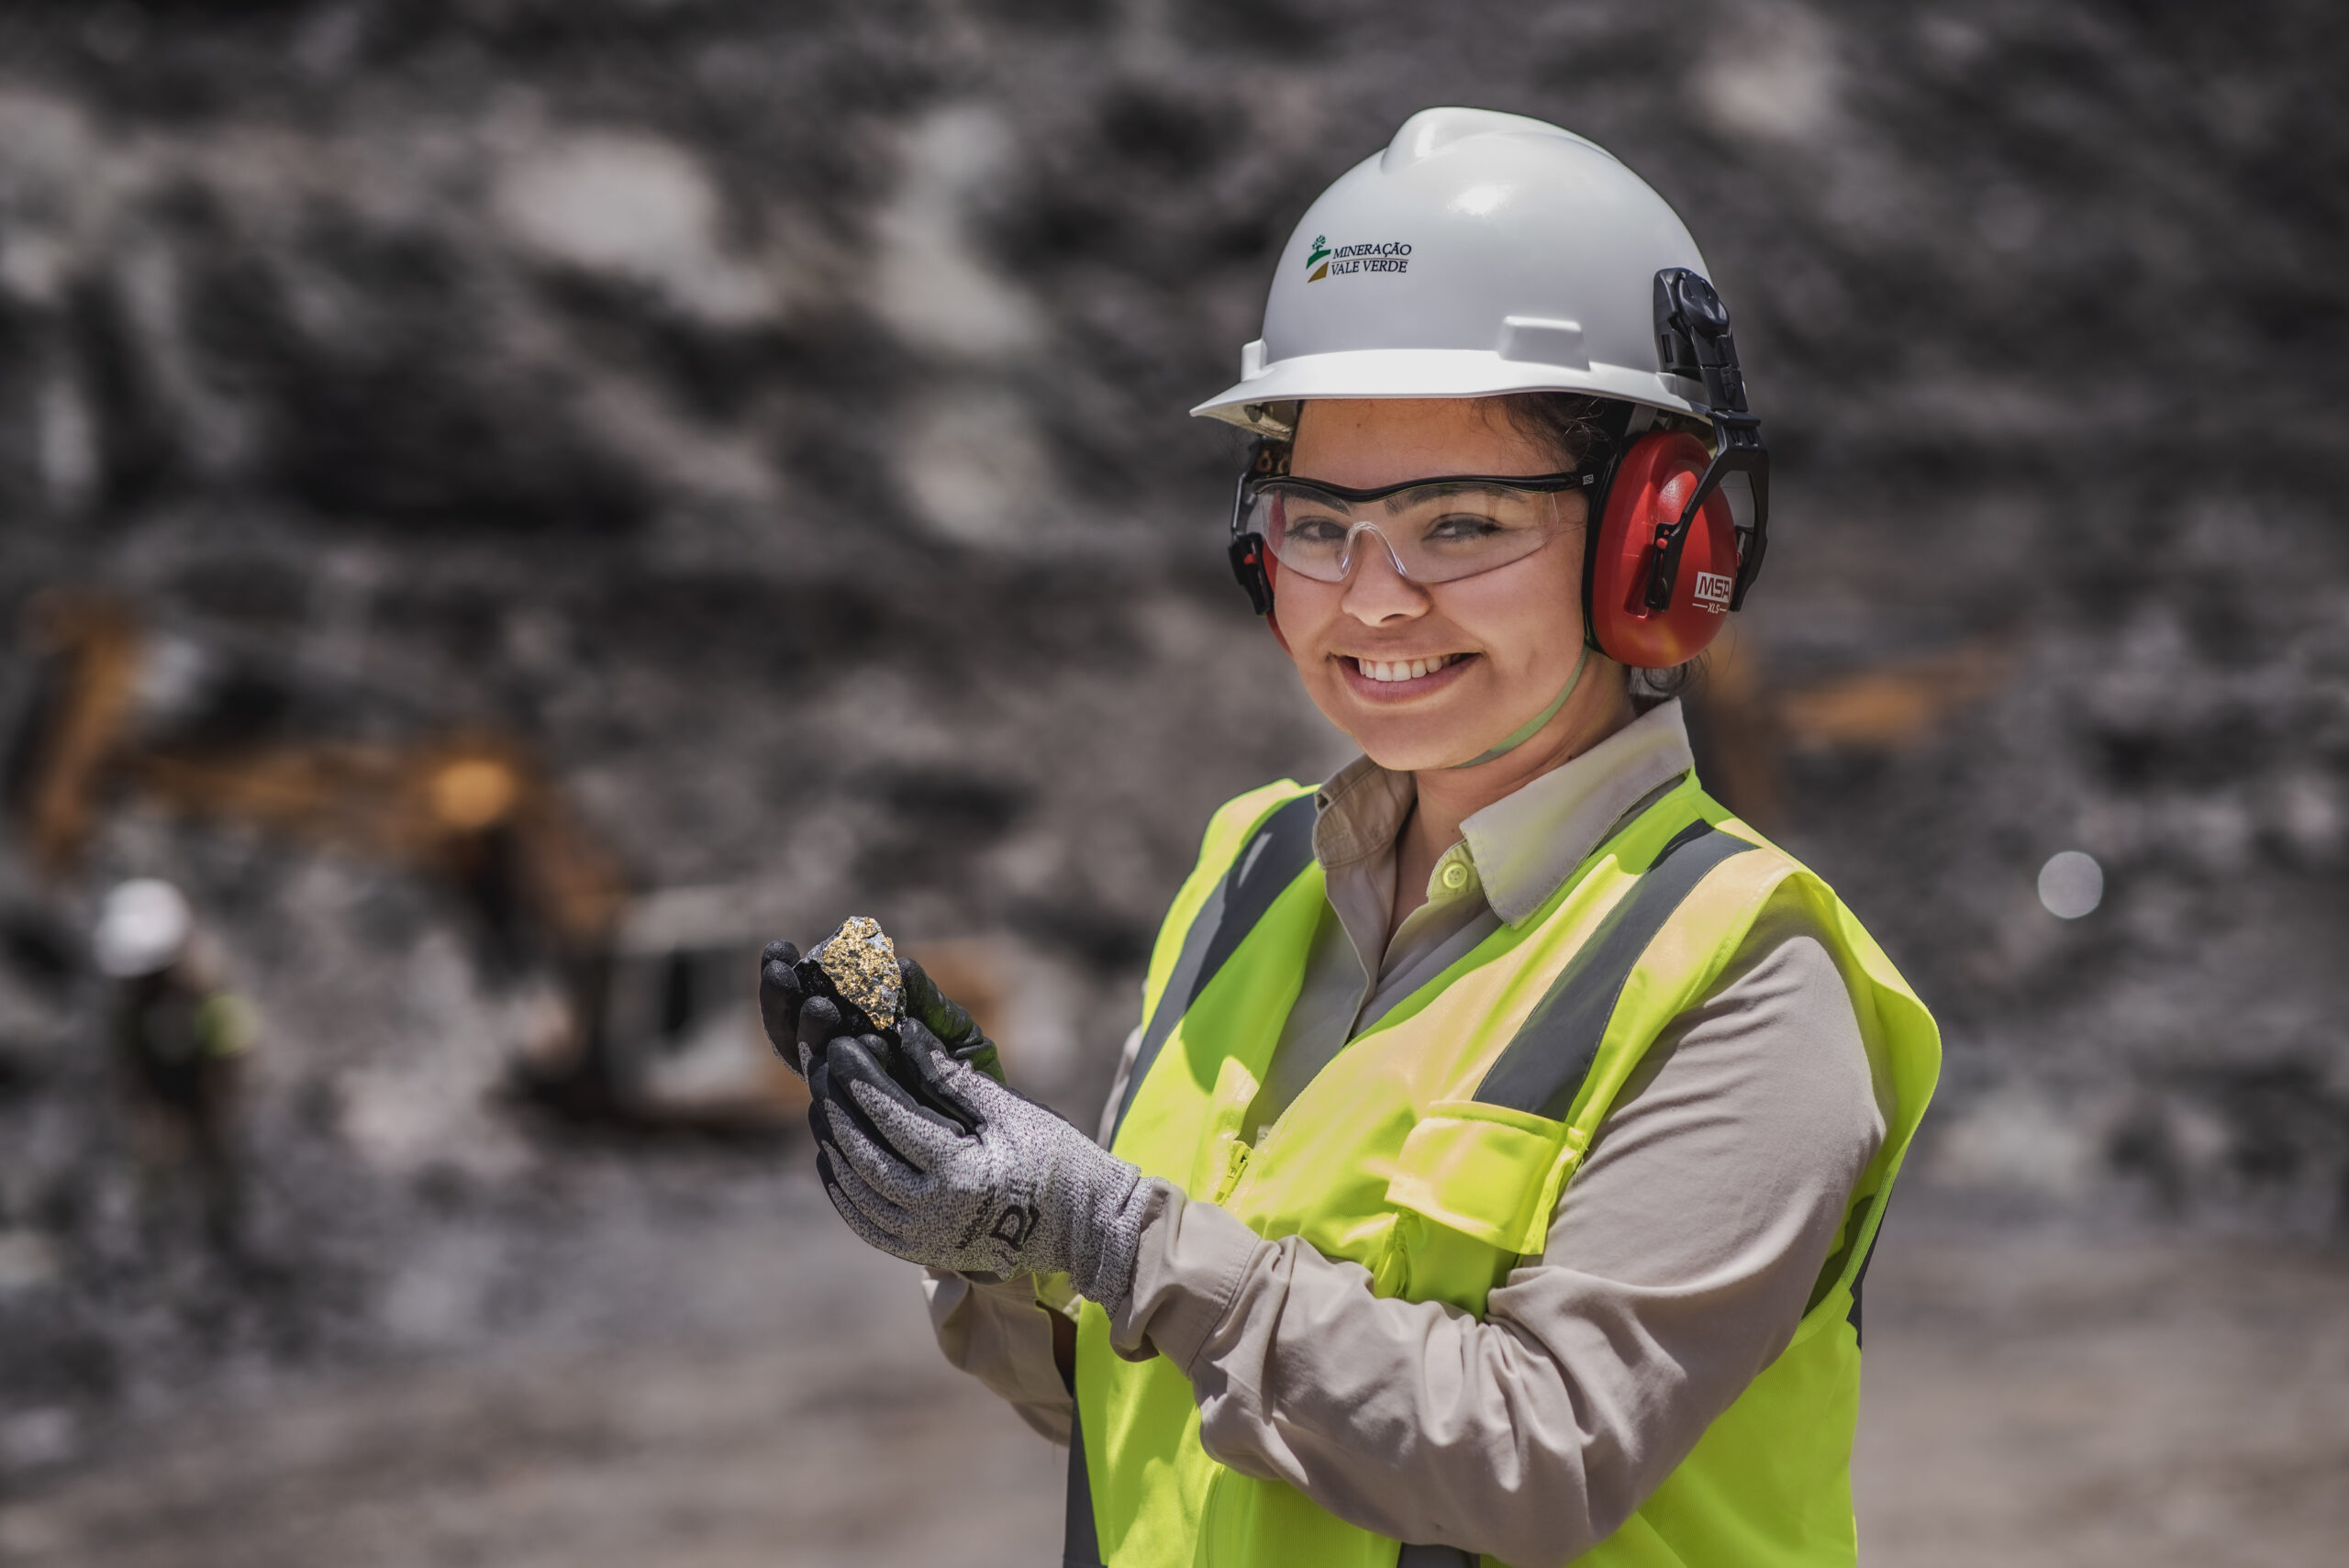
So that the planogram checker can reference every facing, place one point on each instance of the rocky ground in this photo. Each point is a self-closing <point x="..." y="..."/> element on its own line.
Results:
<point x="2079" y="1396"/>
<point x="770" y="419"/>
<point x="734" y="1381"/>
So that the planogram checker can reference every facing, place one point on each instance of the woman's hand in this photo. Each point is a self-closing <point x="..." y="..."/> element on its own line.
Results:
<point x="1020" y="1192"/>
<point x="955" y="1031"/>
<point x="800" y="1025"/>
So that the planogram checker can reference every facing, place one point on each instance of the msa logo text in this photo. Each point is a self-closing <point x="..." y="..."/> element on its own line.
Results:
<point x="1713" y="591"/>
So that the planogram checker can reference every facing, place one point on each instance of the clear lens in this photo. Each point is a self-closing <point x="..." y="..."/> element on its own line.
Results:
<point x="1434" y="532"/>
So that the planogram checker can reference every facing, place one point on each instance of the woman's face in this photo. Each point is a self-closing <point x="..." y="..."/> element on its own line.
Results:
<point x="1499" y="646"/>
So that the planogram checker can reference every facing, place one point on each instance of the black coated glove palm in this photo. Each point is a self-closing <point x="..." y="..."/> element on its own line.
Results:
<point x="801" y="1021"/>
<point x="954" y="1030"/>
<point x="799" y="1025"/>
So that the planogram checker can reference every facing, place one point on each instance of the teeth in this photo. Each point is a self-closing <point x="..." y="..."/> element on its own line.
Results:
<point x="1403" y="669"/>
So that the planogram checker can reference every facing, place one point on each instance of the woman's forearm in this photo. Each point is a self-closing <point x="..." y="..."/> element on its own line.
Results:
<point x="999" y="1333"/>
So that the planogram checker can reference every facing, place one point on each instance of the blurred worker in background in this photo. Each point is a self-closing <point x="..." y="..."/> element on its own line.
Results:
<point x="179" y="1039"/>
<point x="1495" y="1170"/>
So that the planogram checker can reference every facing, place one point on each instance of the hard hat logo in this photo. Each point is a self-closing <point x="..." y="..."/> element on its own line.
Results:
<point x="1321" y="252"/>
<point x="1378" y="256"/>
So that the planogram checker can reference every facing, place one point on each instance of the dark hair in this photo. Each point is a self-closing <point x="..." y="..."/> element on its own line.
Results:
<point x="1574" y="427"/>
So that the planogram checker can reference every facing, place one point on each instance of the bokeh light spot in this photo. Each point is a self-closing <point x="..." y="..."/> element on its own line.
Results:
<point x="2071" y="884"/>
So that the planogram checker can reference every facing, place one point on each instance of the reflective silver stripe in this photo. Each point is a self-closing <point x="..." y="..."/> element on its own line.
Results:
<point x="1275" y="856"/>
<point x="1541" y="1069"/>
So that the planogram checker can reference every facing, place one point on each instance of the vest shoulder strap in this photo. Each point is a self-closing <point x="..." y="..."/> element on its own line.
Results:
<point x="1541" y="1070"/>
<point x="1274" y="855"/>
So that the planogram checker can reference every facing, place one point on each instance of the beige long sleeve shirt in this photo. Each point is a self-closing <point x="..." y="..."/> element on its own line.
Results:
<point x="1678" y="1262"/>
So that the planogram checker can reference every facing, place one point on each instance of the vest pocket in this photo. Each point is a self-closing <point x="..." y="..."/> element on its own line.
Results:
<point x="1485" y="1171"/>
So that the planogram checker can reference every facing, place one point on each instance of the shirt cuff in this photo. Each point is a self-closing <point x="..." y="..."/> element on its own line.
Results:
<point x="1188" y="1270"/>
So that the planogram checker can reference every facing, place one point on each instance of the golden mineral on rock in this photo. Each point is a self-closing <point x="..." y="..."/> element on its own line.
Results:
<point x="861" y="965"/>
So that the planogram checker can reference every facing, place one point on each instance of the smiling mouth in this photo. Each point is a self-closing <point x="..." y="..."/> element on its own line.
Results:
<point x="1395" y="670"/>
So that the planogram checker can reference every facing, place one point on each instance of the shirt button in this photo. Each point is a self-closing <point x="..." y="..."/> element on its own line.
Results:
<point x="1455" y="876"/>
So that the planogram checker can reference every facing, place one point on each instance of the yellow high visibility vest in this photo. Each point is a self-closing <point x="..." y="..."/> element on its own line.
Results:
<point x="1433" y="1150"/>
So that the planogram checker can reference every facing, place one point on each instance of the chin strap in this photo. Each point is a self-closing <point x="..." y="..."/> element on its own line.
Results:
<point x="1532" y="726"/>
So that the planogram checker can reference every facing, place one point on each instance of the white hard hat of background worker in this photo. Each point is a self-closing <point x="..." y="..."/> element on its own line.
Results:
<point x="1483" y="254"/>
<point x="143" y="928"/>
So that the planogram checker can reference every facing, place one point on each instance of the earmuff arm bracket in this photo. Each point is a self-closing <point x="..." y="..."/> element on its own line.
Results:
<point x="1753" y="461"/>
<point x="1693" y="339"/>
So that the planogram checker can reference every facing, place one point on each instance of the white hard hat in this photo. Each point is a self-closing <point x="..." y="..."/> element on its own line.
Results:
<point x="143" y="927"/>
<point x="1479" y="253"/>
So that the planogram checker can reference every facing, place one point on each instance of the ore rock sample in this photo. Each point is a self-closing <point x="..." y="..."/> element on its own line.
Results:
<point x="856" y="966"/>
<point x="861" y="964"/>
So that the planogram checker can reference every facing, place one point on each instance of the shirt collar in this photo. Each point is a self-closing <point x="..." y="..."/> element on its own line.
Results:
<point x="1360" y="811"/>
<point x="1524" y="845"/>
<point x="1528" y="843"/>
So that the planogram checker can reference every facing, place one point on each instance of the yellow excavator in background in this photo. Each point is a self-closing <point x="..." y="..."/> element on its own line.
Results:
<point x="655" y="1023"/>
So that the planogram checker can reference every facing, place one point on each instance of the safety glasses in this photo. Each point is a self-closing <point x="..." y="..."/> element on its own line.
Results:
<point x="1434" y="530"/>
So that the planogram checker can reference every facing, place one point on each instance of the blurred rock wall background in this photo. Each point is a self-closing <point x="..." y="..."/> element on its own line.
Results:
<point x="765" y="423"/>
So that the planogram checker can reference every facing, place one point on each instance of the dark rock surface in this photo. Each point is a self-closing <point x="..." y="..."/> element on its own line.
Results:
<point x="775" y="414"/>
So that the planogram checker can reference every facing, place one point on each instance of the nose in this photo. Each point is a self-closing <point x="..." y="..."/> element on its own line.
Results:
<point x="1355" y="549"/>
<point x="1377" y="589"/>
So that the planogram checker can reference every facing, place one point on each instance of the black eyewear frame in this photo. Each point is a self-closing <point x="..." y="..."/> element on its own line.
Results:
<point x="1541" y="483"/>
<point x="1671" y="539"/>
<point x="1268" y="464"/>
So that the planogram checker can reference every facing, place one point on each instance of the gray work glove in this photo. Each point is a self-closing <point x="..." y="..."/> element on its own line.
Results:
<point x="1022" y="1193"/>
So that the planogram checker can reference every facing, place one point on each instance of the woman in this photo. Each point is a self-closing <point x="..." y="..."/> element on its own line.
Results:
<point x="1495" y="1168"/>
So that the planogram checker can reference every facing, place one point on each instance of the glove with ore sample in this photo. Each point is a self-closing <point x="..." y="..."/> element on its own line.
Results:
<point x="963" y="1173"/>
<point x="853" y="983"/>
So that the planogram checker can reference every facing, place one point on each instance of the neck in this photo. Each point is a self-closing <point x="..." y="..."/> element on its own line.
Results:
<point x="1448" y="797"/>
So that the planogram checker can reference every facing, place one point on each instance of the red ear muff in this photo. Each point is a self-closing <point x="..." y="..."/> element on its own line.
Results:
<point x="1650" y="489"/>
